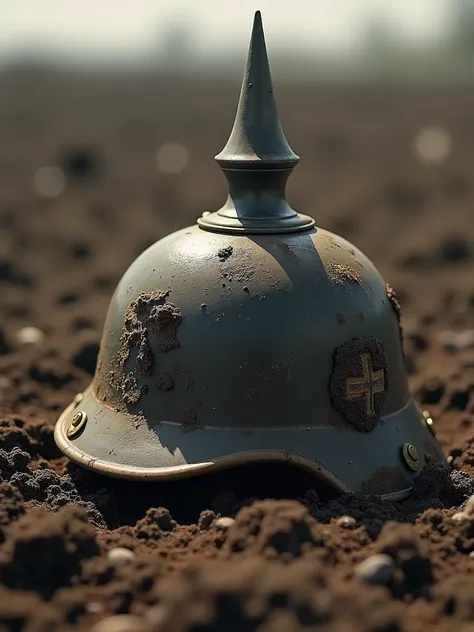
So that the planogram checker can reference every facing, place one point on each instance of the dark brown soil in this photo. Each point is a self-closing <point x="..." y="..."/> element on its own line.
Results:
<point x="289" y="561"/>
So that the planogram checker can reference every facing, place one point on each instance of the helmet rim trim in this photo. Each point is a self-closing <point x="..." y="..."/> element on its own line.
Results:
<point x="144" y="474"/>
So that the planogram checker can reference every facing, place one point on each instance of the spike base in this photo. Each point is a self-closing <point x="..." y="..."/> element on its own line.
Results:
<point x="218" y="223"/>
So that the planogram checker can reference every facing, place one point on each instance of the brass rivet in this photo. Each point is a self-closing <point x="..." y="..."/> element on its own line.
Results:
<point x="77" y="424"/>
<point x="428" y="421"/>
<point x="410" y="454"/>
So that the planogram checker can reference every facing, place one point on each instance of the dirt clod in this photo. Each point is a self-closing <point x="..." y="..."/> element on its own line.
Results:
<point x="402" y="544"/>
<point x="272" y="528"/>
<point x="225" y="253"/>
<point x="58" y="544"/>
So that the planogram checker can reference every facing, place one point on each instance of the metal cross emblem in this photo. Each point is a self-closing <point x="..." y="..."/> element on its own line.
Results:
<point x="367" y="384"/>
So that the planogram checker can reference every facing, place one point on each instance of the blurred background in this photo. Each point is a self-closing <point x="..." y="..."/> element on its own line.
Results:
<point x="111" y="113"/>
<point x="310" y="39"/>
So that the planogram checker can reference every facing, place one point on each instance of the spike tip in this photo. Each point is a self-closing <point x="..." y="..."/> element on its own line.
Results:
<point x="257" y="135"/>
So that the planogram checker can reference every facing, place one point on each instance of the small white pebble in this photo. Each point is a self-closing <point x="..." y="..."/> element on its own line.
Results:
<point x="172" y="158"/>
<point x="448" y="340"/>
<point x="460" y="516"/>
<point x="469" y="506"/>
<point x="121" y="623"/>
<point x="120" y="555"/>
<point x="452" y="341"/>
<point x="466" y="513"/>
<point x="346" y="522"/>
<point x="30" y="336"/>
<point x="224" y="522"/>
<point x="465" y="339"/>
<point x="49" y="182"/>
<point x="432" y="145"/>
<point x="155" y="614"/>
<point x="376" y="569"/>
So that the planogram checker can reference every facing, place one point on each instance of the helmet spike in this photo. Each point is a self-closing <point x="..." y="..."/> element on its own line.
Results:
<point x="257" y="158"/>
<point x="257" y="138"/>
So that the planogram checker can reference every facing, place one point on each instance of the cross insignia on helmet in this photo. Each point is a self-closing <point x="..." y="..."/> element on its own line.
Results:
<point x="359" y="383"/>
<point x="367" y="385"/>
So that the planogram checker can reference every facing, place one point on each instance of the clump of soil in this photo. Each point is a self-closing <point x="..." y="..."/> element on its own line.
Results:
<point x="256" y="595"/>
<point x="11" y="507"/>
<point x="401" y="542"/>
<point x="272" y="528"/>
<point x="154" y="523"/>
<point x="22" y="610"/>
<point x="225" y="253"/>
<point x="41" y="485"/>
<point x="44" y="551"/>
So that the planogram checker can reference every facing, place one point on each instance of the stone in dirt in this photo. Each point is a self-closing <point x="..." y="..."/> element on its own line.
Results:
<point x="376" y="569"/>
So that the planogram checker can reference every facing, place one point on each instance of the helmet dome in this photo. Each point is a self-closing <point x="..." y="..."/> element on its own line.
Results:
<point x="252" y="336"/>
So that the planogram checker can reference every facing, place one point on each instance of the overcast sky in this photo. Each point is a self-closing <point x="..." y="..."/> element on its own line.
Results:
<point x="127" y="28"/>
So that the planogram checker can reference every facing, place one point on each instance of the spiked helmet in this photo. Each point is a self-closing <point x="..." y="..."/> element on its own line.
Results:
<point x="252" y="336"/>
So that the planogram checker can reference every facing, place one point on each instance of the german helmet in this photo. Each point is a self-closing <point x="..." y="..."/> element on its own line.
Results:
<point x="252" y="336"/>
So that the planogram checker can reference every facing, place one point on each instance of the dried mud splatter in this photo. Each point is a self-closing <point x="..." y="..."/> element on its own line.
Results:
<point x="342" y="274"/>
<point x="150" y="326"/>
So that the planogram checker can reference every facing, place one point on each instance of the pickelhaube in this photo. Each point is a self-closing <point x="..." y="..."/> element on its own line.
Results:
<point x="252" y="336"/>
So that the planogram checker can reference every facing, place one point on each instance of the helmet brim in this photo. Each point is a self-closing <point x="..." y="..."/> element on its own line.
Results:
<point x="122" y="445"/>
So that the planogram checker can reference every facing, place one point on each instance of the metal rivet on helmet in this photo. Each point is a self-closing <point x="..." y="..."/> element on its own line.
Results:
<point x="252" y="336"/>
<point x="410" y="455"/>
<point x="428" y="421"/>
<point x="77" y="424"/>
